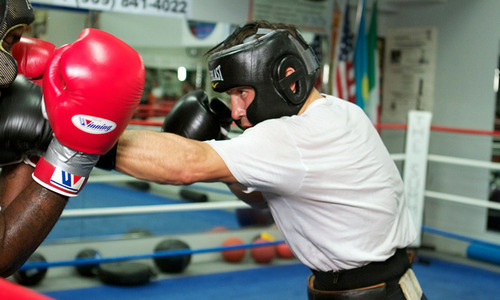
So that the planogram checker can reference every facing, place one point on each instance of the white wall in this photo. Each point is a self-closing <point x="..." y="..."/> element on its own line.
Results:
<point x="467" y="56"/>
<point x="63" y="27"/>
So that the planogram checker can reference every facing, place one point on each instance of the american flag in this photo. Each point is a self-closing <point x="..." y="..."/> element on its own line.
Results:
<point x="345" y="83"/>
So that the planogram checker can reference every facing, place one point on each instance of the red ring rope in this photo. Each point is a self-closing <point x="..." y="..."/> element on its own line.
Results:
<point x="378" y="126"/>
<point x="441" y="128"/>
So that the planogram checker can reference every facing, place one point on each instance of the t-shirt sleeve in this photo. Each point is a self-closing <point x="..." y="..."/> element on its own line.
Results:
<point x="264" y="157"/>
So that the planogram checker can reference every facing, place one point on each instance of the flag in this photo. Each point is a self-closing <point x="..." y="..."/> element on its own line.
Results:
<point x="344" y="87"/>
<point x="372" y="107"/>
<point x="361" y="59"/>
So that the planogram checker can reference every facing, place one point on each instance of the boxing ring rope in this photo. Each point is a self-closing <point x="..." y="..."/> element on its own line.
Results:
<point x="178" y="252"/>
<point x="146" y="123"/>
<point x="148" y="209"/>
<point x="85" y="212"/>
<point x="442" y="128"/>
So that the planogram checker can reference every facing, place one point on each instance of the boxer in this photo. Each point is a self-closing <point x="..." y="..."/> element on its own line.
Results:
<point x="315" y="160"/>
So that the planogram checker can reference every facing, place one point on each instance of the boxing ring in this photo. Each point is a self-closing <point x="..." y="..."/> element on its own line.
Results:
<point x="205" y="245"/>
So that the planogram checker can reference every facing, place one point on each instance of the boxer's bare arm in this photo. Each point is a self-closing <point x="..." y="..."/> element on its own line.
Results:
<point x="28" y="214"/>
<point x="169" y="159"/>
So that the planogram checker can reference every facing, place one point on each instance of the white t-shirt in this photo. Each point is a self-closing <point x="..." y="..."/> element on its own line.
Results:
<point x="334" y="191"/>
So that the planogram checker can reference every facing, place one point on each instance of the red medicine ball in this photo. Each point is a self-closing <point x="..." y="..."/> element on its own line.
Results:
<point x="234" y="255"/>
<point x="263" y="254"/>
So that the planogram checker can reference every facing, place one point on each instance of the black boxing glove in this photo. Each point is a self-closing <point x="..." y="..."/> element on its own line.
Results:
<point x="196" y="117"/>
<point x="23" y="129"/>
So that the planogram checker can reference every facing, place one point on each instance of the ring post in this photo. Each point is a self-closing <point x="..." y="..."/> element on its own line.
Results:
<point x="415" y="166"/>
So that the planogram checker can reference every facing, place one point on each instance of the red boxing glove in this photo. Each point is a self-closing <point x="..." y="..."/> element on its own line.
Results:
<point x="32" y="56"/>
<point x="94" y="85"/>
<point x="91" y="89"/>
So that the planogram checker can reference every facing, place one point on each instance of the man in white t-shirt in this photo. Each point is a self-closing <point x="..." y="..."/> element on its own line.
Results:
<point x="315" y="160"/>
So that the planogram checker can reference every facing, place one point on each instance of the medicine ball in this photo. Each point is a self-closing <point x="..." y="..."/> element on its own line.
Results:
<point x="31" y="277"/>
<point x="90" y="269"/>
<point x="172" y="263"/>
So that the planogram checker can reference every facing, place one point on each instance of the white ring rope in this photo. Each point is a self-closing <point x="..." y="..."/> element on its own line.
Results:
<point x="125" y="210"/>
<point x="461" y="199"/>
<point x="398" y="156"/>
<point x="112" y="178"/>
<point x="109" y="211"/>
<point x="464" y="162"/>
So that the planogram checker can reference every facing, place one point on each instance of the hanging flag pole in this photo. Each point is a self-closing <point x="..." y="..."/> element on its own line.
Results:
<point x="359" y="13"/>
<point x="372" y="107"/>
<point x="344" y="83"/>
<point x="335" y="42"/>
<point x="361" y="58"/>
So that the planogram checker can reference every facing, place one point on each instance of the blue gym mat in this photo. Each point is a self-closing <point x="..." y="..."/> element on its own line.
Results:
<point x="439" y="279"/>
<point x="96" y="195"/>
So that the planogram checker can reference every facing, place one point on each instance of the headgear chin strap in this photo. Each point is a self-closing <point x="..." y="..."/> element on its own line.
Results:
<point x="261" y="64"/>
<point x="13" y="14"/>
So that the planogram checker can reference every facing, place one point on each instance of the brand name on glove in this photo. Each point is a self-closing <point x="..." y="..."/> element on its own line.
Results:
<point x="216" y="74"/>
<point x="93" y="125"/>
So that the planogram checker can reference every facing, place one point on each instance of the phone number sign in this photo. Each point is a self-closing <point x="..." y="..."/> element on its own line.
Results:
<point x="171" y="8"/>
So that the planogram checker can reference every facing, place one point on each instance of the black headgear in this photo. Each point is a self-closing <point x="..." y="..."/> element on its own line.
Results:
<point x="261" y="64"/>
<point x="13" y="13"/>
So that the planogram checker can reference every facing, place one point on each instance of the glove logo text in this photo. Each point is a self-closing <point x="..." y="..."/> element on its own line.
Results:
<point x="93" y="125"/>
<point x="216" y="74"/>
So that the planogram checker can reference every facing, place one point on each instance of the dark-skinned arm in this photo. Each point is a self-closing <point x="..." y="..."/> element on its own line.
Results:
<point x="28" y="214"/>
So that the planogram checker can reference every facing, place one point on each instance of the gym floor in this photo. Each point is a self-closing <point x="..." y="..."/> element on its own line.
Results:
<point x="208" y="276"/>
<point x="448" y="278"/>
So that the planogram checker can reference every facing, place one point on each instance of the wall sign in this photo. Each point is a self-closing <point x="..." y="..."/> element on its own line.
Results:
<point x="306" y="15"/>
<point x="170" y="8"/>
<point x="409" y="67"/>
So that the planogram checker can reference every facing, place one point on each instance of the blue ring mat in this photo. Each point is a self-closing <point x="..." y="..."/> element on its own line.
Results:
<point x="440" y="279"/>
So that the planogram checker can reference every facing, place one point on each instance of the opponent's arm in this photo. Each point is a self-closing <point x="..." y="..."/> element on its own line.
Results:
<point x="26" y="221"/>
<point x="13" y="180"/>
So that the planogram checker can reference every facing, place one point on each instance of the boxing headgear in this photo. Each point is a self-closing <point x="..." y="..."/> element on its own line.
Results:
<point x="261" y="64"/>
<point x="13" y="13"/>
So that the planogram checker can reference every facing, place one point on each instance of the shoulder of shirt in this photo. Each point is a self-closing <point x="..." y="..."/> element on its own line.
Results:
<point x="326" y="100"/>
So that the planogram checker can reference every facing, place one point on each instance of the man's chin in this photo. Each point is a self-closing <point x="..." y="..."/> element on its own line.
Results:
<point x="243" y="124"/>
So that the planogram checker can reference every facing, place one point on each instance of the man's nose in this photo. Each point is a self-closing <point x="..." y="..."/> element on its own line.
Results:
<point x="237" y="111"/>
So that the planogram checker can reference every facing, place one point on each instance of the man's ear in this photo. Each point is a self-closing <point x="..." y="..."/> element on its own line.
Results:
<point x="289" y="71"/>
